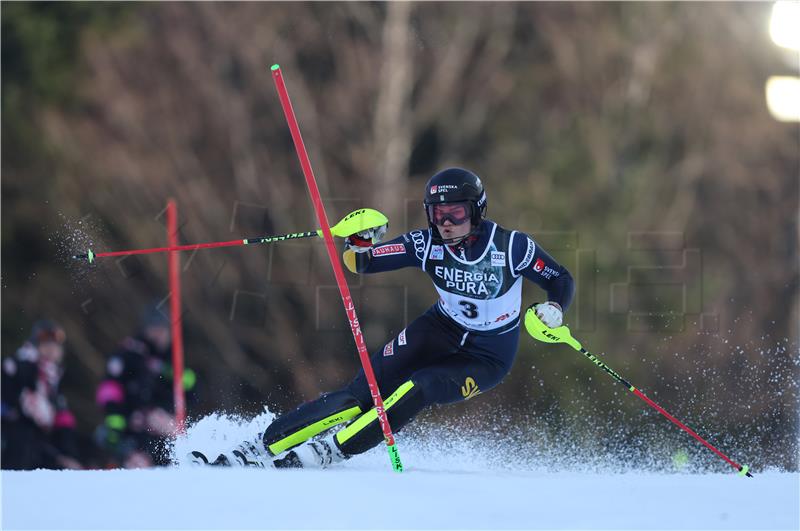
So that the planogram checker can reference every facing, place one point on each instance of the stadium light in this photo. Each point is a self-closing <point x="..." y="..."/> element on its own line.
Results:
<point x="784" y="25"/>
<point x="783" y="98"/>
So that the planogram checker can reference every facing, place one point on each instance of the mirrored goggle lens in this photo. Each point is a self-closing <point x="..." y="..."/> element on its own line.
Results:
<point x="456" y="213"/>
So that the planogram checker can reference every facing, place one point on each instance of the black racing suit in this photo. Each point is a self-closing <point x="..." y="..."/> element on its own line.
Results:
<point x="463" y="345"/>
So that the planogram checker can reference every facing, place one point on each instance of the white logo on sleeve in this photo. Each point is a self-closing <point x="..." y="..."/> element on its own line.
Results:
<point x="393" y="248"/>
<point x="528" y="256"/>
<point x="419" y="243"/>
<point x="401" y="339"/>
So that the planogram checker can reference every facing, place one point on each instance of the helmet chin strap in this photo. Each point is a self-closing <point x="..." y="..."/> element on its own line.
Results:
<point x="455" y="241"/>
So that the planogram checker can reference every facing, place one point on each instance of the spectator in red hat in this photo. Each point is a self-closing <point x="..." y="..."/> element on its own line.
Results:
<point x="38" y="430"/>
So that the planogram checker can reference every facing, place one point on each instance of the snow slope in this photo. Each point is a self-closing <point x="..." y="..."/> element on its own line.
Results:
<point x="420" y="498"/>
<point x="445" y="486"/>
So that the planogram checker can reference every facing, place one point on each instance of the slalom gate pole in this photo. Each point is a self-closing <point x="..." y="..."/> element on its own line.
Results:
<point x="349" y="307"/>
<point x="175" y="318"/>
<point x="561" y="334"/>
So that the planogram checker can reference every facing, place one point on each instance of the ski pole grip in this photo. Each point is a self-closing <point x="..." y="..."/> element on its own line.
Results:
<point x="541" y="332"/>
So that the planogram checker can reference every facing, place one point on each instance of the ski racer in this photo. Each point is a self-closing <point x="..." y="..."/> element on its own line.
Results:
<point x="462" y="346"/>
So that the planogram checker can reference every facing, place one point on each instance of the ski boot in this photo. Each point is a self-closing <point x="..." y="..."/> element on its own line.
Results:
<point x="246" y="454"/>
<point x="312" y="454"/>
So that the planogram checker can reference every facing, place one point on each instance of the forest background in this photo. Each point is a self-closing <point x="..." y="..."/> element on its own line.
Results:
<point x="631" y="140"/>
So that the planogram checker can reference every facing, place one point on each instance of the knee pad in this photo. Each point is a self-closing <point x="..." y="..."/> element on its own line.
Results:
<point x="310" y="419"/>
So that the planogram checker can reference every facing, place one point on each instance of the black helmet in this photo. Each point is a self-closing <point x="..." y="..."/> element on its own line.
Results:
<point x="455" y="185"/>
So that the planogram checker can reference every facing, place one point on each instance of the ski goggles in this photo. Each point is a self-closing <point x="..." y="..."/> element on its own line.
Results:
<point x="456" y="213"/>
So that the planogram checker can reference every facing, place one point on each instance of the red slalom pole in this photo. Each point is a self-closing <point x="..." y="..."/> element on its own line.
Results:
<point x="344" y="290"/>
<point x="175" y="318"/>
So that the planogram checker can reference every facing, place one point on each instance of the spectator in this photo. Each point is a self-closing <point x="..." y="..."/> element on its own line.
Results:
<point x="38" y="431"/>
<point x="137" y="398"/>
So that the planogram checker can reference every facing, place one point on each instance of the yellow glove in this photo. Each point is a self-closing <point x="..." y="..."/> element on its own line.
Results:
<point x="349" y="259"/>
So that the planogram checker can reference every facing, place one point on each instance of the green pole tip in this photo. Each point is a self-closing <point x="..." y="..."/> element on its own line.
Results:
<point x="91" y="256"/>
<point x="744" y="470"/>
<point x="680" y="459"/>
<point x="275" y="67"/>
<point x="394" y="457"/>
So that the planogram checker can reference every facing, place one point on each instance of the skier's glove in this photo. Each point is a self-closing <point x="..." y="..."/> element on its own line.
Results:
<point x="550" y="313"/>
<point x="363" y="241"/>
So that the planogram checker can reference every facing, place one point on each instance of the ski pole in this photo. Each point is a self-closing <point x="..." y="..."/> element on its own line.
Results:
<point x="349" y="307"/>
<point x="356" y="221"/>
<point x="561" y="334"/>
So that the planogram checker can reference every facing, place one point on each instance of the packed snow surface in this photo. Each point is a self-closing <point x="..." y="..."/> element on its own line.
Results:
<point x="423" y="497"/>
<point x="444" y="486"/>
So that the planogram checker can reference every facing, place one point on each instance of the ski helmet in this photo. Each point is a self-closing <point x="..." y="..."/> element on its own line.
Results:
<point x="455" y="185"/>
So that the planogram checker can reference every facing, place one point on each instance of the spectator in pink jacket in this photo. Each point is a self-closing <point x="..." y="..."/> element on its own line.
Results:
<point x="136" y="396"/>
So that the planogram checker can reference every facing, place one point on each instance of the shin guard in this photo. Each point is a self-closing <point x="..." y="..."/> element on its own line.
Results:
<point x="309" y="420"/>
<point x="365" y="432"/>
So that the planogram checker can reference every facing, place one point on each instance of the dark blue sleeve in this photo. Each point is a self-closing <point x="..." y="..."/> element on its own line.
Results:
<point x="533" y="263"/>
<point x="404" y="251"/>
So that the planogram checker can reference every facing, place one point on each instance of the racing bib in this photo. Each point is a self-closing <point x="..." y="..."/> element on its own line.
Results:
<point x="482" y="294"/>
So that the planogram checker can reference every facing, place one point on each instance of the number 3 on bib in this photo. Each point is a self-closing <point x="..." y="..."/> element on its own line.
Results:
<point x="470" y="310"/>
